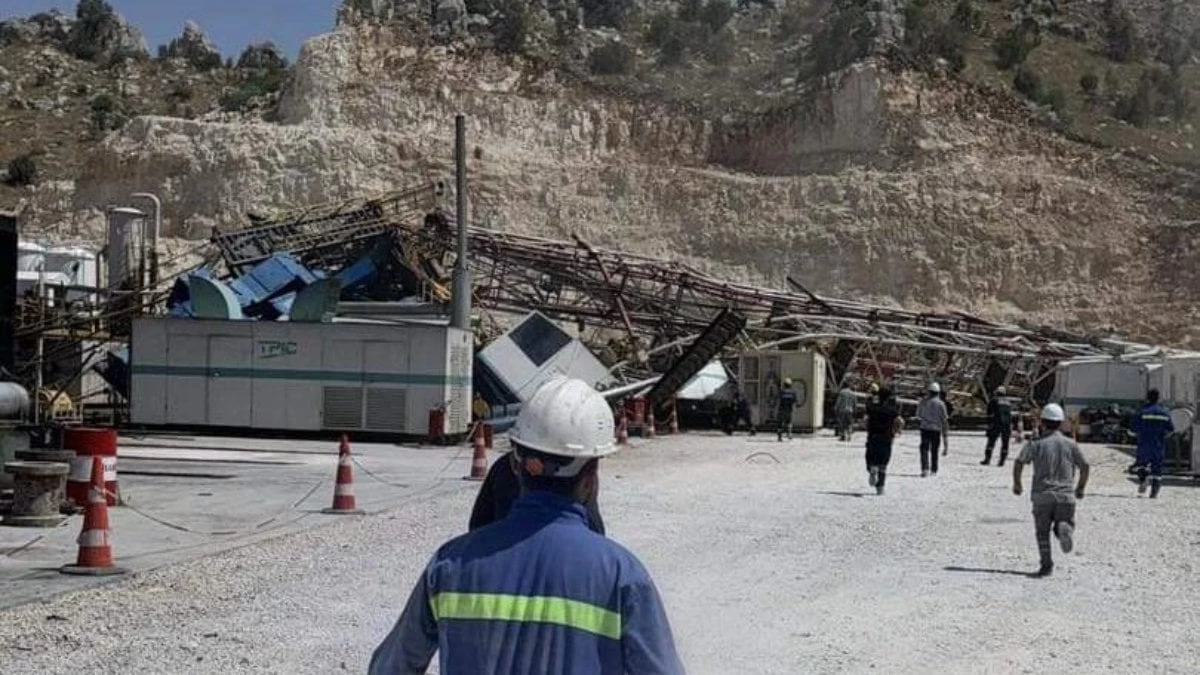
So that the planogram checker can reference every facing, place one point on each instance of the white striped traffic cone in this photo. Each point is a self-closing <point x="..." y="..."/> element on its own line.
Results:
<point x="343" y="490"/>
<point x="478" y="456"/>
<point x="95" y="551"/>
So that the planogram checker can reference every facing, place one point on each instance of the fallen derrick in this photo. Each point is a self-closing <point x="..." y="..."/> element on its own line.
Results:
<point x="662" y="306"/>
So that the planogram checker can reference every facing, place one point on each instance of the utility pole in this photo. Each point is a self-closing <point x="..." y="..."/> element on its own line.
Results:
<point x="461" y="303"/>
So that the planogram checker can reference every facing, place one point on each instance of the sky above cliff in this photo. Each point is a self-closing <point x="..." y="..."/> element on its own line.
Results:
<point x="230" y="24"/>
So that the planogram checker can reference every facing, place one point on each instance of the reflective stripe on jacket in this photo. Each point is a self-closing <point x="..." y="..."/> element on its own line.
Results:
<point x="537" y="592"/>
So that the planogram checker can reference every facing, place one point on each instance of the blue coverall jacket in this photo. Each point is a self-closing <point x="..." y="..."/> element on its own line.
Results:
<point x="536" y="592"/>
<point x="1152" y="426"/>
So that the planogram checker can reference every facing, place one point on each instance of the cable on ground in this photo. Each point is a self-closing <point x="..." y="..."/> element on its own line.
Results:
<point x="759" y="454"/>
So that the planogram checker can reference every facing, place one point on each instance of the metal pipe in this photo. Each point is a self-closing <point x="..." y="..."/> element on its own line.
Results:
<point x="9" y="237"/>
<point x="157" y="231"/>
<point x="461" y="316"/>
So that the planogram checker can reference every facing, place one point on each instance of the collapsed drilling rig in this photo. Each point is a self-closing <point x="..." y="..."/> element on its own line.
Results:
<point x="642" y="315"/>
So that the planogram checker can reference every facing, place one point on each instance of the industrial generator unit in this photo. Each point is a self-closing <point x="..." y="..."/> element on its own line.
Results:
<point x="364" y="376"/>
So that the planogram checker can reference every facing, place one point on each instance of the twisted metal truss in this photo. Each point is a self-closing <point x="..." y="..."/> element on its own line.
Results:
<point x="660" y="306"/>
<point x="644" y="310"/>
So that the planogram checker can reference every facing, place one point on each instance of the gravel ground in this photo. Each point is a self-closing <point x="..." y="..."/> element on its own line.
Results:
<point x="766" y="567"/>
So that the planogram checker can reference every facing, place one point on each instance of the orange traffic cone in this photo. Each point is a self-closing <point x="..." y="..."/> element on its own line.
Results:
<point x="650" y="430"/>
<point x="622" y="428"/>
<point x="479" y="456"/>
<point x="343" y="489"/>
<point x="95" y="551"/>
<point x="674" y="422"/>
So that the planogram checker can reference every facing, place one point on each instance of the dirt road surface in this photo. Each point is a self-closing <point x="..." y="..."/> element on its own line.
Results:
<point x="771" y="563"/>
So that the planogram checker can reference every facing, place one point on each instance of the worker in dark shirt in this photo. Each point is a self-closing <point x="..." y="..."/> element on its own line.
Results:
<point x="999" y="414"/>
<point x="787" y="403"/>
<point x="883" y="424"/>
<point x="500" y="489"/>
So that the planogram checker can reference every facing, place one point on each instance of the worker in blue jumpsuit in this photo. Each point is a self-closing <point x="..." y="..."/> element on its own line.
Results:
<point x="1152" y="426"/>
<point x="538" y="592"/>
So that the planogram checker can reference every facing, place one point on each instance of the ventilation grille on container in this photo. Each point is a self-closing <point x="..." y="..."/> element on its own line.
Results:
<point x="385" y="409"/>
<point x="342" y="407"/>
<point x="460" y="366"/>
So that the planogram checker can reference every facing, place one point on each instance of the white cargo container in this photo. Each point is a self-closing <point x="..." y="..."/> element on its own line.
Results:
<point x="343" y="376"/>
<point x="761" y="375"/>
<point x="1087" y="383"/>
<point x="1180" y="385"/>
<point x="537" y="349"/>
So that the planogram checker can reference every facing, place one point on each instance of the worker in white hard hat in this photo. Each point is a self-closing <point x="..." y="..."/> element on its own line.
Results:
<point x="1055" y="458"/>
<point x="538" y="591"/>
<point x="935" y="423"/>
<point x="787" y="403"/>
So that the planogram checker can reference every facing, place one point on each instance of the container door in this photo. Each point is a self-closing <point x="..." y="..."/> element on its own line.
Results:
<point x="231" y="381"/>
<point x="187" y="386"/>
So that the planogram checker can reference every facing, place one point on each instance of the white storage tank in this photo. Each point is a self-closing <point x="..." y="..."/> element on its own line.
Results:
<point x="124" y="251"/>
<point x="343" y="376"/>
<point x="761" y="375"/>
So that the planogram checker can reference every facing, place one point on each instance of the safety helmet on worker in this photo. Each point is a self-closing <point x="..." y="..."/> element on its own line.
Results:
<point x="566" y="418"/>
<point x="787" y="381"/>
<point x="935" y="388"/>
<point x="1000" y="390"/>
<point x="1053" y="412"/>
<point x="874" y="388"/>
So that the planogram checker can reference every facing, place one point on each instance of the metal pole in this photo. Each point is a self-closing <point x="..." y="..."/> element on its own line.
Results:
<point x="461" y="310"/>
<point x="157" y="232"/>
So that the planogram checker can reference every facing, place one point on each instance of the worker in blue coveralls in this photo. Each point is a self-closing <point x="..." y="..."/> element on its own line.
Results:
<point x="1152" y="426"/>
<point x="538" y="592"/>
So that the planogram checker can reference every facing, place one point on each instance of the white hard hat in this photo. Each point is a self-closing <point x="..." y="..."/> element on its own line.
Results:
<point x="566" y="418"/>
<point x="1053" y="412"/>
<point x="935" y="387"/>
<point x="1000" y="390"/>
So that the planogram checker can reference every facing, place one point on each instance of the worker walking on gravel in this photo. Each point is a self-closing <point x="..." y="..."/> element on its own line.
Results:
<point x="999" y="414"/>
<point x="883" y="425"/>
<point x="935" y="423"/>
<point x="787" y="403"/>
<point x="538" y="592"/>
<point x="1055" y="459"/>
<point x="843" y="410"/>
<point x="1152" y="426"/>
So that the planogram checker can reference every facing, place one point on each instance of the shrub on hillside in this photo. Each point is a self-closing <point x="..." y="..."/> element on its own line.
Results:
<point x="1029" y="83"/>
<point x="105" y="113"/>
<point x="22" y="171"/>
<point x="1016" y="44"/>
<point x="1089" y="84"/>
<point x="661" y="25"/>
<point x="967" y="16"/>
<point x="612" y="58"/>
<point x="845" y="38"/>
<point x="716" y="14"/>
<point x="95" y="22"/>
<point x="513" y="26"/>
<point x="180" y="92"/>
<point x="612" y="13"/>
<point x="721" y="48"/>
<point x="696" y="27"/>
<point x="929" y="36"/>
<point x="1160" y="92"/>
<point x="1121" y="34"/>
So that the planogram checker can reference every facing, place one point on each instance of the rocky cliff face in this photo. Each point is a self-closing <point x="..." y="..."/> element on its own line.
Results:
<point x="887" y="186"/>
